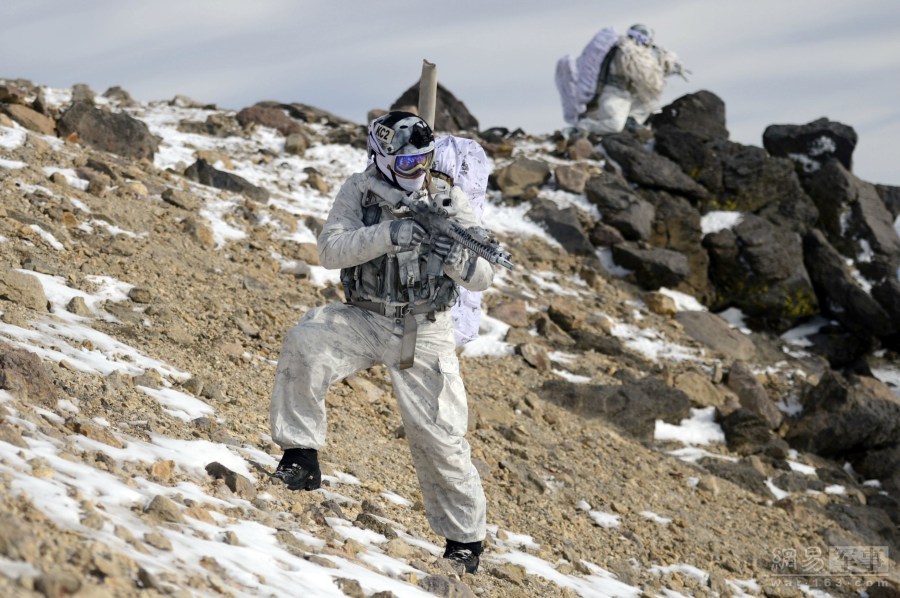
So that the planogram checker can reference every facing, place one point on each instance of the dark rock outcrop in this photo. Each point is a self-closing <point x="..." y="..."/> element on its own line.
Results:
<point x="854" y="217"/>
<point x="757" y="183"/>
<point x="747" y="433"/>
<point x="450" y="114"/>
<point x="653" y="267"/>
<point x="752" y="395"/>
<point x="840" y="295"/>
<point x="701" y="113"/>
<point x="114" y="132"/>
<point x="713" y="332"/>
<point x="677" y="226"/>
<point x="563" y="225"/>
<point x="621" y="208"/>
<point x="813" y="144"/>
<point x="758" y="267"/>
<point x="649" y="169"/>
<point x="634" y="407"/>
<point x="845" y="417"/>
<point x="696" y="157"/>
<point x="201" y="172"/>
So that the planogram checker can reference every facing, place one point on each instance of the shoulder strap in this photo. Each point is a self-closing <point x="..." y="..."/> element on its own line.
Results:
<point x="371" y="209"/>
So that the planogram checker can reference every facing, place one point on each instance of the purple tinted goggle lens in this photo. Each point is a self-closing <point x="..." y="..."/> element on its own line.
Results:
<point x="410" y="166"/>
<point x="639" y="37"/>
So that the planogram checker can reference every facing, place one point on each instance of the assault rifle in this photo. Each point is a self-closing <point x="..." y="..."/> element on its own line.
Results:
<point x="435" y="219"/>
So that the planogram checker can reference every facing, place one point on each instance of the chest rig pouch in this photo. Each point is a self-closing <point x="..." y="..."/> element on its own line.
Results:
<point x="399" y="285"/>
<point x="413" y="278"/>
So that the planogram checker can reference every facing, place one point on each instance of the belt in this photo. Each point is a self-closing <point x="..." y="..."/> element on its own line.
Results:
<point x="396" y="311"/>
<point x="406" y="314"/>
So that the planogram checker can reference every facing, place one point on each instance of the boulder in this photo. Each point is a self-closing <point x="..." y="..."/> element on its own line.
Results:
<point x="565" y="313"/>
<point x="759" y="267"/>
<point x="696" y="157"/>
<point x="752" y="394"/>
<point x="564" y="225"/>
<point x="24" y="376"/>
<point x="882" y="464"/>
<point x="201" y="172"/>
<point x="632" y="406"/>
<point x="10" y="93"/>
<point x="649" y="169"/>
<point x="30" y="119"/>
<point x="677" y="226"/>
<point x="450" y="114"/>
<point x="753" y="181"/>
<point x="119" y="95"/>
<point x="853" y="215"/>
<point x="216" y="125"/>
<point x="701" y="113"/>
<point x="82" y="92"/>
<point x="838" y="292"/>
<point x="571" y="177"/>
<point x="813" y="144"/>
<point x="715" y="333"/>
<point x="271" y="116"/>
<point x="741" y="473"/>
<point x="841" y="347"/>
<point x="520" y="175"/>
<point x="603" y="235"/>
<point x="114" y="132"/>
<point x="620" y="207"/>
<point x="891" y="198"/>
<point x="887" y="293"/>
<point x="23" y="289"/>
<point x="747" y="433"/>
<point x="513" y="312"/>
<point x="845" y="417"/>
<point x="653" y="267"/>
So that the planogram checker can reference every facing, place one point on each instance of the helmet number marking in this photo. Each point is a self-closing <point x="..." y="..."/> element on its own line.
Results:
<point x="383" y="134"/>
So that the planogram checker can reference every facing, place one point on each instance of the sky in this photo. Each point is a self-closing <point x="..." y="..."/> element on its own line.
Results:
<point x="258" y="562"/>
<point x="771" y="61"/>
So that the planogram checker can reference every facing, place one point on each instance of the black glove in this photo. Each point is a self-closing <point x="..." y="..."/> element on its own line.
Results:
<point x="406" y="233"/>
<point x="451" y="253"/>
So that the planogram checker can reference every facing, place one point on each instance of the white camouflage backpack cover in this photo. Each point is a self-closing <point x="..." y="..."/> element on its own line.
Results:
<point x="464" y="161"/>
<point x="576" y="78"/>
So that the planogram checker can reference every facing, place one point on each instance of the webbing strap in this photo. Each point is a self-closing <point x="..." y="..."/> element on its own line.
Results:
<point x="408" y="342"/>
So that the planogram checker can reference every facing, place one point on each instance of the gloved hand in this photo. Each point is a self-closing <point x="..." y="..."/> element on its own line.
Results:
<point x="451" y="253"/>
<point x="406" y="233"/>
<point x="678" y="69"/>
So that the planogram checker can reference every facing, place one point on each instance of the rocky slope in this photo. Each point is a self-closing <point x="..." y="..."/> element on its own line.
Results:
<point x="631" y="441"/>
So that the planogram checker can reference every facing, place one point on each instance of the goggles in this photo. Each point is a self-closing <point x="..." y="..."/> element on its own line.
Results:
<point x="639" y="37"/>
<point x="410" y="166"/>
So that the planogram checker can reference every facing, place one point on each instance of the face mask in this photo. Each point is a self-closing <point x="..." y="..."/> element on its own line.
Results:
<point x="412" y="184"/>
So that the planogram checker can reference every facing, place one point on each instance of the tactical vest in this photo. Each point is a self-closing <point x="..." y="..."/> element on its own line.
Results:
<point x="413" y="278"/>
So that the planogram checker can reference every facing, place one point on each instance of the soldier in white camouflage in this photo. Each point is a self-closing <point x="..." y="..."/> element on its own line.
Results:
<point x="400" y="283"/>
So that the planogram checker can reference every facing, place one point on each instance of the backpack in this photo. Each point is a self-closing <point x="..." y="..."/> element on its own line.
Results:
<point x="465" y="161"/>
<point x="577" y="78"/>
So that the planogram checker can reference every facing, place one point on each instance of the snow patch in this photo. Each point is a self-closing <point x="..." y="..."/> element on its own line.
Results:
<point x="713" y="222"/>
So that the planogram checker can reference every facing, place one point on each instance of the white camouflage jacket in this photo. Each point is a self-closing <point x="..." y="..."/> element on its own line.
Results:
<point x="346" y="242"/>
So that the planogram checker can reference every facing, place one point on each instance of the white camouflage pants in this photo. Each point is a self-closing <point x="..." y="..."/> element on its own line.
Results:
<point x="614" y="107"/>
<point x="334" y="341"/>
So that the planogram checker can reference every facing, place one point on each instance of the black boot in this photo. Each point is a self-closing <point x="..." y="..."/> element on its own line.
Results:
<point x="465" y="553"/>
<point x="299" y="469"/>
